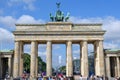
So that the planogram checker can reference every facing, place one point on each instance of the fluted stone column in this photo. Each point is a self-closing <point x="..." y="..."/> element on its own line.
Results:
<point x="108" y="66"/>
<point x="84" y="59"/>
<point x="33" y="63"/>
<point x="21" y="58"/>
<point x="115" y="67"/>
<point x="0" y="68"/>
<point x="95" y="58"/>
<point x="9" y="66"/>
<point x="37" y="64"/>
<point x="49" y="58"/>
<point x="69" y="63"/>
<point x="16" y="59"/>
<point x="118" y="65"/>
<point x="100" y="58"/>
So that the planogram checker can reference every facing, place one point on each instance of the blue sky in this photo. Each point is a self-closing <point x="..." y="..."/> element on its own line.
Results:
<point x="81" y="11"/>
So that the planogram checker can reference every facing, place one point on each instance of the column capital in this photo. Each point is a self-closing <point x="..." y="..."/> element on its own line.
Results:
<point x="117" y="56"/>
<point x="49" y="41"/>
<point x="83" y="41"/>
<point x="68" y="41"/>
<point x="107" y="56"/>
<point x="96" y="41"/>
<point x="34" y="41"/>
<point x="18" y="40"/>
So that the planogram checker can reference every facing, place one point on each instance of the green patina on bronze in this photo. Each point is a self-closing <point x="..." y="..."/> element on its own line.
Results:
<point x="59" y="16"/>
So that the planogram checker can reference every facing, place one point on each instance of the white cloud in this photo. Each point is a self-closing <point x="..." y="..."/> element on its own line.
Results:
<point x="6" y="39"/>
<point x="6" y="35"/>
<point x="111" y="45"/>
<point x="8" y="21"/>
<point x="27" y="4"/>
<point x="85" y="20"/>
<point x="110" y="24"/>
<point x="28" y="19"/>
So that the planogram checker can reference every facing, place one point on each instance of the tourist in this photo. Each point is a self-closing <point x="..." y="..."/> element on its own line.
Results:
<point x="117" y="78"/>
<point x="49" y="78"/>
<point x="92" y="77"/>
<point x="40" y="78"/>
<point x="106" y="78"/>
<point x="64" y="77"/>
<point x="80" y="77"/>
<point x="61" y="78"/>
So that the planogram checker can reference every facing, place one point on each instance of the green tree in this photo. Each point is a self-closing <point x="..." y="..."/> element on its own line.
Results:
<point x="41" y="65"/>
<point x="62" y="69"/>
<point x="26" y="63"/>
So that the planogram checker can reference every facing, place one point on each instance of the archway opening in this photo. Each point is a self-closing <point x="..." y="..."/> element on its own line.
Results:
<point x="91" y="59"/>
<point x="42" y="59"/>
<point x="76" y="58"/>
<point x="26" y="58"/>
<point x="59" y="58"/>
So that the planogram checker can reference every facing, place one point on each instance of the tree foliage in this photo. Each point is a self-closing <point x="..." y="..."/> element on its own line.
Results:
<point x="62" y="69"/>
<point x="26" y="63"/>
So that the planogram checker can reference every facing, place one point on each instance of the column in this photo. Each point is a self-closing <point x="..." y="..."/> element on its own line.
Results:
<point x="84" y="59"/>
<point x="16" y="59"/>
<point x="69" y="63"/>
<point x="37" y="64"/>
<point x="49" y="58"/>
<point x="21" y="59"/>
<point x="100" y="58"/>
<point x="0" y="68"/>
<point x="115" y="67"/>
<point x="118" y="65"/>
<point x="33" y="64"/>
<point x="108" y="70"/>
<point x="9" y="66"/>
<point x="95" y="58"/>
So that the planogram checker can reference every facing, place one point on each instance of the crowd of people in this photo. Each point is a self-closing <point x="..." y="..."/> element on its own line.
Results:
<point x="63" y="77"/>
<point x="94" y="77"/>
<point x="55" y="78"/>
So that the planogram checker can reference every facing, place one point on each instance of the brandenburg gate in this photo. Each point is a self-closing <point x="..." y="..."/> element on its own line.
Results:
<point x="59" y="31"/>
